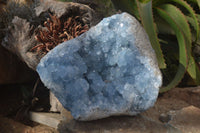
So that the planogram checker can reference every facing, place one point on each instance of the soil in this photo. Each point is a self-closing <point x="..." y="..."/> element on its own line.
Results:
<point x="11" y="100"/>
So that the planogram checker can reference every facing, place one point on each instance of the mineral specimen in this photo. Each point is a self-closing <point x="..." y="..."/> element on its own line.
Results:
<point x="109" y="70"/>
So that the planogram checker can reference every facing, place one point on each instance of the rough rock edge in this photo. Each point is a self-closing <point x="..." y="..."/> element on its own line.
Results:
<point x="145" y="49"/>
<point x="20" y="36"/>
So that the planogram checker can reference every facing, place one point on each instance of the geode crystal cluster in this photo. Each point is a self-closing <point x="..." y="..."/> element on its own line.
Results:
<point x="109" y="70"/>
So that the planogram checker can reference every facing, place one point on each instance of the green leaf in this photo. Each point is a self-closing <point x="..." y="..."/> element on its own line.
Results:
<point x="198" y="2"/>
<point x="193" y="70"/>
<point x="192" y="13"/>
<point x="156" y="3"/>
<point x="181" y="21"/>
<point x="163" y="27"/>
<point x="198" y="17"/>
<point x="174" y="17"/>
<point x="144" y="1"/>
<point x="192" y="23"/>
<point x="146" y="15"/>
<point x="186" y="6"/>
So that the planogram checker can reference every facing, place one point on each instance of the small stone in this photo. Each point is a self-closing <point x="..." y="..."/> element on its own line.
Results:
<point x="109" y="70"/>
<point x="186" y="120"/>
<point x="165" y="118"/>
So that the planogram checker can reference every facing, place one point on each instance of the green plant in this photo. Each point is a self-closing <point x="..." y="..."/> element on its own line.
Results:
<point x="169" y="23"/>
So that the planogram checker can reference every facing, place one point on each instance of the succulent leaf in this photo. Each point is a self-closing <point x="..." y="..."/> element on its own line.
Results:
<point x="182" y="41"/>
<point x="146" y="15"/>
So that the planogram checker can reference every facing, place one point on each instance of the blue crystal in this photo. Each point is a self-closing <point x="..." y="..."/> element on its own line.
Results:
<point x="109" y="70"/>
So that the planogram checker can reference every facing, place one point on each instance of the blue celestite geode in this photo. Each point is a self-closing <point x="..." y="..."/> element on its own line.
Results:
<point x="109" y="70"/>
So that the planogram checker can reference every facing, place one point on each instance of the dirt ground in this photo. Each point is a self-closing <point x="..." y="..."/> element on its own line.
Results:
<point x="156" y="118"/>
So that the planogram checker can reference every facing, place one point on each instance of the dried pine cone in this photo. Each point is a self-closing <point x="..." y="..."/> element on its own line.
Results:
<point x="58" y="32"/>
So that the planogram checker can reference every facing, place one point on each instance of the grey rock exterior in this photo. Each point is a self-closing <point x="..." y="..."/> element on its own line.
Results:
<point x="109" y="70"/>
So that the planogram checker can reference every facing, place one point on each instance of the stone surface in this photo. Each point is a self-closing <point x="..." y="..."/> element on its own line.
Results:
<point x="56" y="106"/>
<point x="109" y="70"/>
<point x="49" y="119"/>
<point x="190" y="95"/>
<point x="122" y="124"/>
<point x="186" y="120"/>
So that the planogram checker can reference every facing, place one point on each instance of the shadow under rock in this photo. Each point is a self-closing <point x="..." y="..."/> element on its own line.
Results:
<point x="116" y="124"/>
